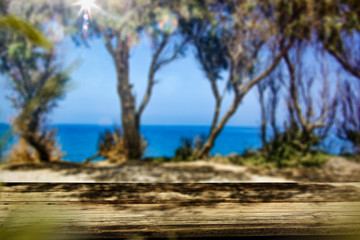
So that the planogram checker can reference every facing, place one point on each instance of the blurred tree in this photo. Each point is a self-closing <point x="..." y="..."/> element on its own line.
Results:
<point x="301" y="103"/>
<point x="38" y="81"/>
<point x="331" y="25"/>
<point x="269" y="91"/>
<point x="310" y="115"/>
<point x="21" y="27"/>
<point x="121" y="25"/>
<point x="349" y="126"/>
<point x="12" y="24"/>
<point x="233" y="39"/>
<point x="335" y="24"/>
<point x="338" y="30"/>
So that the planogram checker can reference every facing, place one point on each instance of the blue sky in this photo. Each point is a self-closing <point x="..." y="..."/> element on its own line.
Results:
<point x="182" y="96"/>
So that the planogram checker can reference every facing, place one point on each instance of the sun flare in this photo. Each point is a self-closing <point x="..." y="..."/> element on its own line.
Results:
<point x="86" y="5"/>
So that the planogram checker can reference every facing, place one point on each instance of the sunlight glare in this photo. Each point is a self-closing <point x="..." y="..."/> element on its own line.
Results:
<point x="86" y="5"/>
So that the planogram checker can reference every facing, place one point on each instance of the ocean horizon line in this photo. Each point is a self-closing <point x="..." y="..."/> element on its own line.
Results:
<point x="143" y="125"/>
<point x="79" y="141"/>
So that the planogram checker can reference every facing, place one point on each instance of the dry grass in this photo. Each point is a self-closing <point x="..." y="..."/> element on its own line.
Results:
<point x="24" y="153"/>
<point x="113" y="147"/>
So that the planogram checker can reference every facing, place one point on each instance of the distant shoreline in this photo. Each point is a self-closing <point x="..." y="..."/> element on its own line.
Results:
<point x="79" y="141"/>
<point x="143" y="125"/>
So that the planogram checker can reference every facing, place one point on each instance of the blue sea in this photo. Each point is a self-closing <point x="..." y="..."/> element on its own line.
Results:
<point x="79" y="141"/>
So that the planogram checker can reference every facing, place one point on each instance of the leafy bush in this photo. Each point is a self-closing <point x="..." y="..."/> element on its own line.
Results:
<point x="112" y="146"/>
<point x="315" y="159"/>
<point x="158" y="159"/>
<point x="189" y="148"/>
<point x="257" y="158"/>
<point x="294" y="147"/>
<point x="249" y="157"/>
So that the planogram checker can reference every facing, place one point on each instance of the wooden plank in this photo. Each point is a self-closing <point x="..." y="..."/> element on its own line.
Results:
<point x="104" y="210"/>
<point x="179" y="187"/>
<point x="183" y="192"/>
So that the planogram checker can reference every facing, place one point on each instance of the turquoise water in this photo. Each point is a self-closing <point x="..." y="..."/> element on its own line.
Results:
<point x="79" y="141"/>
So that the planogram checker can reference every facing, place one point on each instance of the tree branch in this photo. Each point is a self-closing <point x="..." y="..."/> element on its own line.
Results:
<point x="343" y="63"/>
<point x="294" y="95"/>
<point x="108" y="44"/>
<point x="156" y="65"/>
<point x="208" y="72"/>
<point x="175" y="55"/>
<point x="243" y="90"/>
<point x="214" y="87"/>
<point x="153" y="69"/>
<point x="218" y="128"/>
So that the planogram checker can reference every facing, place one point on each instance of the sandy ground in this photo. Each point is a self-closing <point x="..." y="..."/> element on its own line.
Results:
<point x="336" y="170"/>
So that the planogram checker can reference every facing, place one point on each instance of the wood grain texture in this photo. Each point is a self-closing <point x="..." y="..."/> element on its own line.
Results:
<point x="110" y="210"/>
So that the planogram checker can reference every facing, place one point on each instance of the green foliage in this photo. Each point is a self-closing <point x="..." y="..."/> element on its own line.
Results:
<point x="37" y="79"/>
<point x="334" y="19"/>
<point x="209" y="40"/>
<point x="294" y="147"/>
<point x="189" y="148"/>
<point x="10" y="24"/>
<point x="314" y="159"/>
<point x="332" y="23"/>
<point x="212" y="53"/>
<point x="158" y="159"/>
<point x="15" y="24"/>
<point x="294" y="160"/>
<point x="293" y="17"/>
<point x="185" y="151"/>
<point x="38" y="82"/>
<point x="327" y="19"/>
<point x="250" y="157"/>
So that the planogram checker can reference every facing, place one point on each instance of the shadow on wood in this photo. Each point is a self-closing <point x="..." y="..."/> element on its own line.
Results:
<point x="192" y="210"/>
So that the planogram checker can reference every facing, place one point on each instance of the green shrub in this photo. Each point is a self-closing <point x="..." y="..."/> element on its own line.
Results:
<point x="158" y="159"/>
<point x="253" y="159"/>
<point x="112" y="146"/>
<point x="189" y="148"/>
<point x="294" y="148"/>
<point x="316" y="159"/>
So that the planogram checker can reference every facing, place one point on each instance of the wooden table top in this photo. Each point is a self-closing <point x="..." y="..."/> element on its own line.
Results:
<point x="185" y="210"/>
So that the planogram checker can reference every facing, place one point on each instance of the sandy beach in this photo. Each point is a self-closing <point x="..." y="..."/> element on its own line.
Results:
<point x="335" y="170"/>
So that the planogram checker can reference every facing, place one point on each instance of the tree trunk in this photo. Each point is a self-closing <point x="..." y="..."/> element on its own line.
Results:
<point x="215" y="116"/>
<point x="264" y="117"/>
<point x="130" y="119"/>
<point x="41" y="150"/>
<point x="214" y="133"/>
<point x="31" y="135"/>
<point x="130" y="125"/>
<point x="274" y="89"/>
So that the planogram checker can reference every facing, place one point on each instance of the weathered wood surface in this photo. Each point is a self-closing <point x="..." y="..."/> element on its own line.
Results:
<point x="110" y="210"/>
